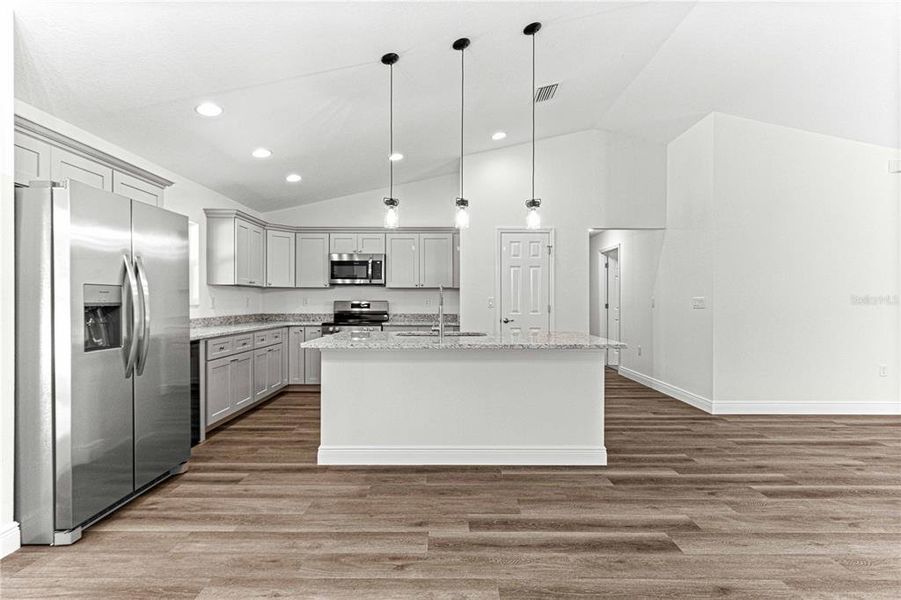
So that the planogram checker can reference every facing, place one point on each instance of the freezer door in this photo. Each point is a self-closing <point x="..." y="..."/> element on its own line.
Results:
<point x="93" y="397"/>
<point x="162" y="380"/>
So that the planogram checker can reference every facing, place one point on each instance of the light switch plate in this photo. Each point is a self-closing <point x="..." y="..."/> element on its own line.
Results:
<point x="699" y="302"/>
<point x="491" y="302"/>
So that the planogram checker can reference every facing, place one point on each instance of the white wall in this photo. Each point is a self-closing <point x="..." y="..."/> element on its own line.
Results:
<point x="778" y="229"/>
<point x="639" y="255"/>
<point x="9" y="530"/>
<point x="803" y="222"/>
<point x="185" y="197"/>
<point x="425" y="203"/>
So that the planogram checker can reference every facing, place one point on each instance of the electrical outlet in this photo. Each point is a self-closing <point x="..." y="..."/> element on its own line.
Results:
<point x="883" y="370"/>
<point x="428" y="301"/>
<point x="491" y="302"/>
<point x="639" y="351"/>
<point x="212" y="301"/>
<point x="246" y="301"/>
<point x="699" y="302"/>
<point x="305" y="301"/>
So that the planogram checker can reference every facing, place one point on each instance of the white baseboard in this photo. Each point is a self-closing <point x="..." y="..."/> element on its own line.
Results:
<point x="465" y="455"/>
<point x="685" y="396"/>
<point x="10" y="538"/>
<point x="775" y="407"/>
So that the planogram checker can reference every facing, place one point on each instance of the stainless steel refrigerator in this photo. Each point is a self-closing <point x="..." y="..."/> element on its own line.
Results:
<point x="102" y="354"/>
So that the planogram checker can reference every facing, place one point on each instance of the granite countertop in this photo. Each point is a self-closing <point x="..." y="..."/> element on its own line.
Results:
<point x="213" y="331"/>
<point x="558" y="340"/>
<point x="212" y="327"/>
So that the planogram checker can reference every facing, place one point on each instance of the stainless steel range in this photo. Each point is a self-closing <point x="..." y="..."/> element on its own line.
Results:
<point x="357" y="315"/>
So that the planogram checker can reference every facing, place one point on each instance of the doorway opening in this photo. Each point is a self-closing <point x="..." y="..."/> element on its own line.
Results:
<point x="610" y="295"/>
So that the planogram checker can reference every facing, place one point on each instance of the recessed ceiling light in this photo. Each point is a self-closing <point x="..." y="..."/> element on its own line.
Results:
<point x="293" y="178"/>
<point x="262" y="153"/>
<point x="498" y="135"/>
<point x="208" y="109"/>
<point x="396" y="156"/>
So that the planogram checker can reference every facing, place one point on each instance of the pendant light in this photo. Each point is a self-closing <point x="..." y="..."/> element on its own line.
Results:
<point x="461" y="220"/>
<point x="392" y="219"/>
<point x="533" y="218"/>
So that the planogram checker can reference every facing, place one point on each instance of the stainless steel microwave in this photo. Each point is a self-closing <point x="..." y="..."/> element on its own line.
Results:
<point x="357" y="269"/>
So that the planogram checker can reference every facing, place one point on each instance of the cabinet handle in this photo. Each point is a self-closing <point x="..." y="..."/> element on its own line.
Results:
<point x="233" y="360"/>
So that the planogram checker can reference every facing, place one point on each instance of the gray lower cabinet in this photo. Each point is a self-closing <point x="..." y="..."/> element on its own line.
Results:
<point x="228" y="385"/>
<point x="260" y="373"/>
<point x="303" y="363"/>
<point x="238" y="374"/>
<point x="296" y="372"/>
<point x="312" y="357"/>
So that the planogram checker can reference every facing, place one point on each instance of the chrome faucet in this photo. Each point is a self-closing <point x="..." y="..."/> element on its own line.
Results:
<point x="440" y="313"/>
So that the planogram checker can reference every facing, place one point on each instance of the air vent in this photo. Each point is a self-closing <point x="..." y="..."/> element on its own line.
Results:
<point x="545" y="92"/>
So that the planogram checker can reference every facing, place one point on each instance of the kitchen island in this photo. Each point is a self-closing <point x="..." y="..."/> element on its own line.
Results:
<point x="391" y="399"/>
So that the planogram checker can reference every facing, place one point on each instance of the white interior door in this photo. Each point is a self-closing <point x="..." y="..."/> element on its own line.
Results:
<point x="525" y="282"/>
<point x="613" y="303"/>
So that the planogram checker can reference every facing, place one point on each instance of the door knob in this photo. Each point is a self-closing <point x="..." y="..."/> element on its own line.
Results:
<point x="506" y="320"/>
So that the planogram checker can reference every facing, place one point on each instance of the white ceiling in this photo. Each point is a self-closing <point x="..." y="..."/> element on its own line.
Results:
<point x="304" y="79"/>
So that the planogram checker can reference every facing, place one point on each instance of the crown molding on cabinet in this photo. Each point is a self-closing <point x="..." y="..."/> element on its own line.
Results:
<point x="54" y="137"/>
<point x="228" y="213"/>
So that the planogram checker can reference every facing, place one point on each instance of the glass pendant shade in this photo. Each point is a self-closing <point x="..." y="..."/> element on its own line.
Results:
<point x="392" y="218"/>
<point x="533" y="217"/>
<point x="461" y="220"/>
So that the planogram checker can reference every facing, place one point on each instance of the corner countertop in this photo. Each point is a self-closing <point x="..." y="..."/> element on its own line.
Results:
<point x="270" y="321"/>
<point x="380" y="340"/>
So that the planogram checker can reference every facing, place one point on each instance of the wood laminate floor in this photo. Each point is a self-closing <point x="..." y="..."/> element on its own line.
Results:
<point x="690" y="506"/>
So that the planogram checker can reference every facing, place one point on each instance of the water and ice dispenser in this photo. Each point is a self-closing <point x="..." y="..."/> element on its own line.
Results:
<point x="102" y="317"/>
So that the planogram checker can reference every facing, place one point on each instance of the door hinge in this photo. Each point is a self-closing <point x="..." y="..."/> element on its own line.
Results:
<point x="549" y="248"/>
<point x="606" y="265"/>
<point x="606" y="306"/>
<point x="548" y="309"/>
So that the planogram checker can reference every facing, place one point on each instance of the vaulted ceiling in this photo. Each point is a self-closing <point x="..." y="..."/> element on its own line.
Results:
<point x="305" y="81"/>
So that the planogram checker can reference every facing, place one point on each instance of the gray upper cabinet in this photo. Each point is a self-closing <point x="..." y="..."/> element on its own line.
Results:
<point x="312" y="260"/>
<point x="420" y="260"/>
<point x="280" y="256"/>
<point x="402" y="270"/>
<point x="41" y="154"/>
<point x="136" y="189"/>
<point x="357" y="243"/>
<point x="68" y="165"/>
<point x="436" y="262"/>
<point x="32" y="159"/>
<point x="236" y="252"/>
<point x="343" y="243"/>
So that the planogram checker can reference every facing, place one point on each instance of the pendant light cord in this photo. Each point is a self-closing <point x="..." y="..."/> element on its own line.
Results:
<point x="391" y="131"/>
<point x="462" y="113"/>
<point x="533" y="115"/>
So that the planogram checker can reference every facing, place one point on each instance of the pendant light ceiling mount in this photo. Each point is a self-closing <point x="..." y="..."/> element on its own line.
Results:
<point x="461" y="44"/>
<point x="390" y="58"/>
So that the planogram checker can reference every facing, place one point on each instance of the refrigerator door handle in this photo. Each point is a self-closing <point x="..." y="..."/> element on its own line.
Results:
<point x="135" y="314"/>
<point x="145" y="310"/>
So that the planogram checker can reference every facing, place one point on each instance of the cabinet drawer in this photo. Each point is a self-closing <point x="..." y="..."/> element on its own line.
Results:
<point x="277" y="335"/>
<point x="217" y="347"/>
<point x="262" y="338"/>
<point x="243" y="342"/>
